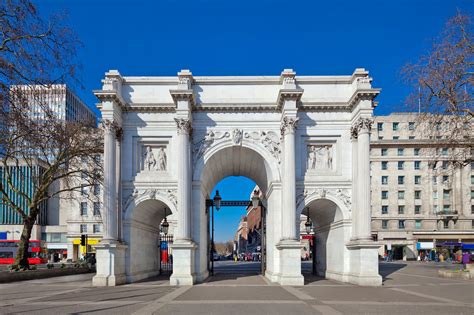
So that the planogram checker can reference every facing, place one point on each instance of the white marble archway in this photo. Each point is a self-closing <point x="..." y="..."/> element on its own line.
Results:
<point x="301" y="138"/>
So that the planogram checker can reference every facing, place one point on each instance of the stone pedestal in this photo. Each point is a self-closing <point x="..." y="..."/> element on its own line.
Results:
<point x="183" y="263"/>
<point x="364" y="263"/>
<point x="110" y="257"/>
<point x="290" y="262"/>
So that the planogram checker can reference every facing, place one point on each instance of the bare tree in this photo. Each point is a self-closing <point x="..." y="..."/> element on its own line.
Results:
<point x="442" y="84"/>
<point x="40" y="149"/>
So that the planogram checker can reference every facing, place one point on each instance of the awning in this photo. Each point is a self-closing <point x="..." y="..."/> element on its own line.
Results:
<point x="467" y="246"/>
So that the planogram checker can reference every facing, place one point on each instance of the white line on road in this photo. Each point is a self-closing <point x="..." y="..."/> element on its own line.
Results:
<point x="152" y="307"/>
<point x="326" y="310"/>
<point x="299" y="294"/>
<point x="237" y="302"/>
<point x="431" y="297"/>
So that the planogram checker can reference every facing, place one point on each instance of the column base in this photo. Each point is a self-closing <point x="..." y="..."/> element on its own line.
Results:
<point x="183" y="263"/>
<point x="364" y="263"/>
<point x="290" y="263"/>
<point x="110" y="264"/>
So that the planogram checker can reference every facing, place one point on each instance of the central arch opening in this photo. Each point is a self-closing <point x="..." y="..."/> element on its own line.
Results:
<point x="240" y="235"/>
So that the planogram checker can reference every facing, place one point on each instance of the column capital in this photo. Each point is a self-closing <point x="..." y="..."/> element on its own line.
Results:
<point x="184" y="126"/>
<point x="288" y="125"/>
<point x="361" y="125"/>
<point x="108" y="125"/>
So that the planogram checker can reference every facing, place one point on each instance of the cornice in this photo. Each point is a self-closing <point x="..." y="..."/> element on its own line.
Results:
<point x="288" y="94"/>
<point x="151" y="108"/>
<point x="183" y="95"/>
<point x="324" y="106"/>
<point x="361" y="95"/>
<point x="112" y="95"/>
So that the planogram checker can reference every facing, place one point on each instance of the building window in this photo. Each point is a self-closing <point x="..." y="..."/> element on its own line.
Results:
<point x="83" y="228"/>
<point x="401" y="165"/>
<point x="96" y="228"/>
<point x="444" y="151"/>
<point x="83" y="190"/>
<point x="400" y="152"/>
<point x="411" y="125"/>
<point x="395" y="137"/>
<point x="417" y="194"/>
<point x="384" y="194"/>
<point x="384" y="180"/>
<point x="96" y="189"/>
<point x="83" y="175"/>
<point x="401" y="224"/>
<point x="380" y="137"/>
<point x="395" y="126"/>
<point x="97" y="208"/>
<point x="446" y="224"/>
<point x="445" y="179"/>
<point x="446" y="194"/>
<point x="384" y="152"/>
<point x="472" y="179"/>
<point x="401" y="194"/>
<point x="434" y="180"/>
<point x="401" y="180"/>
<point x="435" y="194"/>
<point x="384" y="165"/>
<point x="472" y="209"/>
<point x="379" y="126"/>
<point x="417" y="180"/>
<point x="417" y="165"/>
<point x="416" y="151"/>
<point x="401" y="209"/>
<point x="411" y="138"/>
<point x="472" y="194"/>
<point x="446" y="208"/>
<point x="417" y="209"/>
<point x="472" y="224"/>
<point x="384" y="209"/>
<point x="435" y="209"/>
<point x="83" y="208"/>
<point x="417" y="224"/>
<point x="385" y="224"/>
<point x="445" y="165"/>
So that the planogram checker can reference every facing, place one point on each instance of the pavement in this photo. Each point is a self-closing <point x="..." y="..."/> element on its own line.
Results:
<point x="238" y="288"/>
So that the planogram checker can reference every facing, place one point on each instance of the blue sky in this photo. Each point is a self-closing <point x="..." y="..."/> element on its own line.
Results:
<point x="254" y="38"/>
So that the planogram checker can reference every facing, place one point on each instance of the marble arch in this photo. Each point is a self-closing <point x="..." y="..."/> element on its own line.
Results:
<point x="168" y="140"/>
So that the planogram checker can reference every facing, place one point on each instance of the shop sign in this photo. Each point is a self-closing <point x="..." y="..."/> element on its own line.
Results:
<point x="424" y="245"/>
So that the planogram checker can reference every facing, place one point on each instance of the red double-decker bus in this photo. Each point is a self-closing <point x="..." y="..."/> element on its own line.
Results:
<point x="9" y="248"/>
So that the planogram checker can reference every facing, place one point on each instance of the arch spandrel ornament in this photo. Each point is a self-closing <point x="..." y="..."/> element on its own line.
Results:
<point x="340" y="196"/>
<point x="265" y="143"/>
<point x="135" y="198"/>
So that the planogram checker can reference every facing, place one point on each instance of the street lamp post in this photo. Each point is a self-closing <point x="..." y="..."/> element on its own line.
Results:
<point x="216" y="203"/>
<point x="165" y="225"/>
<point x="255" y="203"/>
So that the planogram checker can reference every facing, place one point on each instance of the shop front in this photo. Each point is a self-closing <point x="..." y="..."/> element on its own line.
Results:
<point x="80" y="251"/>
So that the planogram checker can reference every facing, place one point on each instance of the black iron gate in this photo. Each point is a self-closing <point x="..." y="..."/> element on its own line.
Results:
<point x="166" y="256"/>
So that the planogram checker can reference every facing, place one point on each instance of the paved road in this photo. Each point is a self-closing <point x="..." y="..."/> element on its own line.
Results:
<point x="237" y="288"/>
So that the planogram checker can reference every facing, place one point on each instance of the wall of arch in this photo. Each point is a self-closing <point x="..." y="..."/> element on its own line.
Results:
<point x="141" y="232"/>
<point x="223" y="160"/>
<point x="332" y="225"/>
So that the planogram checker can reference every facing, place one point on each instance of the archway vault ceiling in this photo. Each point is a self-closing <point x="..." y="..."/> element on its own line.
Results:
<point x="235" y="161"/>
<point x="323" y="212"/>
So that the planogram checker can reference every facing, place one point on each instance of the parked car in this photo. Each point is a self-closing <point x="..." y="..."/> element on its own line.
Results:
<point x="216" y="257"/>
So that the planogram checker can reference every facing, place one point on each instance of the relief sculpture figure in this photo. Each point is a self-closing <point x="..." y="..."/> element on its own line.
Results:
<point x="149" y="160"/>
<point x="161" y="160"/>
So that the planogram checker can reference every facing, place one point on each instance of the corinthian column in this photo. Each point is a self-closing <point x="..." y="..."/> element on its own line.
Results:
<point x="288" y="127"/>
<point x="110" y="193"/>
<point x="184" y="179"/>
<point x="363" y="178"/>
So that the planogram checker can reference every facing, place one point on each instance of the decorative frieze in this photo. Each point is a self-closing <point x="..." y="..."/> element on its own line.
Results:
<point x="269" y="139"/>
<point x="320" y="157"/>
<point x="152" y="163"/>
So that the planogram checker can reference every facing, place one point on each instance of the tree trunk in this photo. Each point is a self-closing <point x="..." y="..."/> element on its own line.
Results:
<point x="22" y="255"/>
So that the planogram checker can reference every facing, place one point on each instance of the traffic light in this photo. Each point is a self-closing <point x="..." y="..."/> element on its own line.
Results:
<point x="83" y="240"/>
